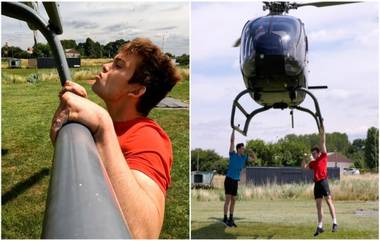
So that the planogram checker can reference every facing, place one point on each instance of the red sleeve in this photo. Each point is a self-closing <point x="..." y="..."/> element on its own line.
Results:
<point x="311" y="164"/>
<point x="323" y="158"/>
<point x="149" y="151"/>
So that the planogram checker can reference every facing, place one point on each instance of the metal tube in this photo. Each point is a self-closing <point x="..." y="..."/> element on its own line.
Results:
<point x="59" y="56"/>
<point x="25" y="13"/>
<point x="81" y="202"/>
<point x="316" y="104"/>
<point x="235" y="105"/>
<point x="54" y="18"/>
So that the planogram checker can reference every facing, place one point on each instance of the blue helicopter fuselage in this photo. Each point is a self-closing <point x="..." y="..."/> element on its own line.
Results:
<point x="273" y="60"/>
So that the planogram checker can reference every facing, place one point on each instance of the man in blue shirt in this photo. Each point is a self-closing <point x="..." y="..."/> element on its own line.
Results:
<point x="236" y="163"/>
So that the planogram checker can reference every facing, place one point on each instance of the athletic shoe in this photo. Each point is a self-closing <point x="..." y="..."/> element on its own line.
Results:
<point x="318" y="231"/>
<point x="227" y="223"/>
<point x="335" y="227"/>
<point x="232" y="223"/>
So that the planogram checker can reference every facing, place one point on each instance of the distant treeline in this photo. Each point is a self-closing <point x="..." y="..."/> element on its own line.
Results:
<point x="288" y="151"/>
<point x="88" y="49"/>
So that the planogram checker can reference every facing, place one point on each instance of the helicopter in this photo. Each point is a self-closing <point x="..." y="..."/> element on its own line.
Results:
<point x="274" y="63"/>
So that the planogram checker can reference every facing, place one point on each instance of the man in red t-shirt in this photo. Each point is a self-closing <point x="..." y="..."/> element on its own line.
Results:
<point x="321" y="185"/>
<point x="136" y="152"/>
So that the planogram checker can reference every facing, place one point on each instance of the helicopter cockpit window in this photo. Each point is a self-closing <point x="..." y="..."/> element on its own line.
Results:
<point x="288" y="30"/>
<point x="251" y="32"/>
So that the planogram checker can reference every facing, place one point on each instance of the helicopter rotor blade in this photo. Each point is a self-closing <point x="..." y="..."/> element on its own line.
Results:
<point x="323" y="4"/>
<point x="237" y="43"/>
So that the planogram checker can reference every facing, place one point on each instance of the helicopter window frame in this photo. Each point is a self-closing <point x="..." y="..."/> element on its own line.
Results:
<point x="243" y="43"/>
<point x="306" y="38"/>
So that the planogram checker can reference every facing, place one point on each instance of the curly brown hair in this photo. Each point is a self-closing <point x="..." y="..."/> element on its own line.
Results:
<point x="156" y="71"/>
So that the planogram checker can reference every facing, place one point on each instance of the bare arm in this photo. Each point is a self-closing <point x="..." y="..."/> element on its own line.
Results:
<point x="252" y="156"/>
<point x="140" y="198"/>
<point x="304" y="164"/>
<point x="232" y="140"/>
<point x="322" y="143"/>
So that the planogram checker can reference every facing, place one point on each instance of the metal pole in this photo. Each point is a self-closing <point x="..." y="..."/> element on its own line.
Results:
<point x="81" y="202"/>
<point x="25" y="13"/>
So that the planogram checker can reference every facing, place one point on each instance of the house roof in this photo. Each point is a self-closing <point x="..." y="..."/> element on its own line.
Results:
<point x="72" y="51"/>
<point x="337" y="157"/>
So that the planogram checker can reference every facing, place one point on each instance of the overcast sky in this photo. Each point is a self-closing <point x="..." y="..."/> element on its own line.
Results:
<point x="343" y="44"/>
<point x="166" y="23"/>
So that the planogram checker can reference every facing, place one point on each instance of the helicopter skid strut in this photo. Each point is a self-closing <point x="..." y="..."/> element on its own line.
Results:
<point x="317" y="115"/>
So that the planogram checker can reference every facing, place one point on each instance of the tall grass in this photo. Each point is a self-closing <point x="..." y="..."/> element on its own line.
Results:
<point x="49" y="75"/>
<point x="9" y="76"/>
<point x="94" y="62"/>
<point x="362" y="187"/>
<point x="184" y="73"/>
<point x="85" y="74"/>
<point x="349" y="188"/>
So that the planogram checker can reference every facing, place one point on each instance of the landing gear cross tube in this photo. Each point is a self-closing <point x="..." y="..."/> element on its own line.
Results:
<point x="81" y="202"/>
<point x="317" y="115"/>
<point x="248" y="117"/>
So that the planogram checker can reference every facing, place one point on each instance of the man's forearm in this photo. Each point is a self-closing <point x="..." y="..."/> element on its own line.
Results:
<point x="232" y="140"/>
<point x="322" y="137"/>
<point x="303" y="164"/>
<point x="141" y="212"/>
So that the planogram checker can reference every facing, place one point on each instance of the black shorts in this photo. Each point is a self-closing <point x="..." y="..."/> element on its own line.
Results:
<point x="230" y="186"/>
<point x="321" y="189"/>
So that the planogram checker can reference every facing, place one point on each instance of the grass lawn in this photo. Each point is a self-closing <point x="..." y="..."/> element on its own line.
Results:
<point x="284" y="219"/>
<point x="27" y="154"/>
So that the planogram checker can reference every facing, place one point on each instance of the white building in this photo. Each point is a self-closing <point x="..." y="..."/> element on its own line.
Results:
<point x="72" y="53"/>
<point x="336" y="159"/>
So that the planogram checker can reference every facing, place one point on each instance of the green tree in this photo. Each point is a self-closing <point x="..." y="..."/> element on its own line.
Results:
<point x="290" y="151"/>
<point x="111" y="48"/>
<point x="170" y="55"/>
<point x="371" y="151"/>
<point x="356" y="153"/>
<point x="69" y="44"/>
<point x="337" y="142"/>
<point x="15" y="52"/>
<point x="41" y="50"/>
<point x="260" y="149"/>
<point x="183" y="60"/>
<point x="81" y="49"/>
<point x="208" y="160"/>
<point x="90" y="48"/>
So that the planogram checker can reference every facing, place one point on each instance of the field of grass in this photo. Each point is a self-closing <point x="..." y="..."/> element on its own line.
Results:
<point x="350" y="188"/>
<point x="15" y="76"/>
<point x="284" y="219"/>
<point x="27" y="153"/>
<point x="84" y="62"/>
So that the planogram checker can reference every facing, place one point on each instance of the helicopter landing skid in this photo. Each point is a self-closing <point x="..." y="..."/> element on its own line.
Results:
<point x="245" y="113"/>
<point x="317" y="115"/>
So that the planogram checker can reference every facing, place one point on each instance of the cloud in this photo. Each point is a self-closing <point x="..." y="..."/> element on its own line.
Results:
<point x="81" y="24"/>
<point x="343" y="55"/>
<point x="216" y="26"/>
<point x="105" y="22"/>
<point x="114" y="27"/>
<point x="164" y="28"/>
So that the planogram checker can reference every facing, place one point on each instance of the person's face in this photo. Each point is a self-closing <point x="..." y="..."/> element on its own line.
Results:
<point x="112" y="83"/>
<point x="315" y="154"/>
<point x="241" y="150"/>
